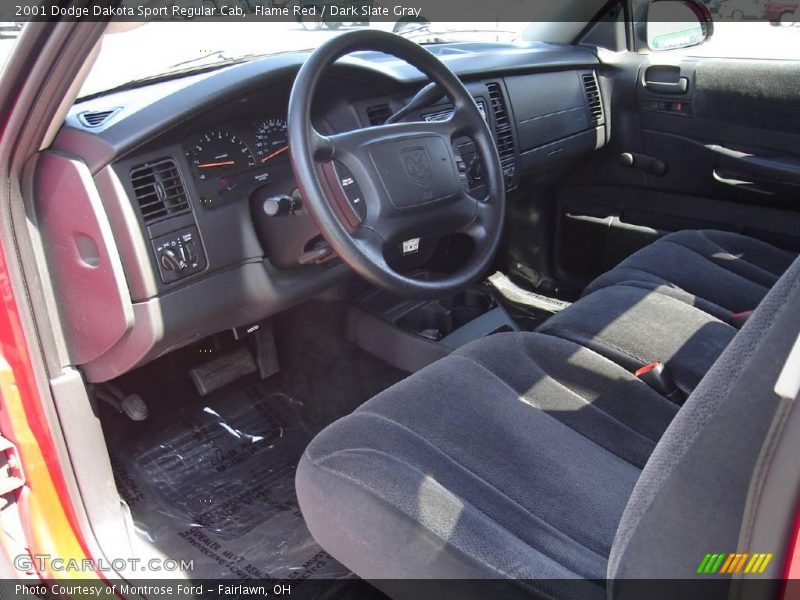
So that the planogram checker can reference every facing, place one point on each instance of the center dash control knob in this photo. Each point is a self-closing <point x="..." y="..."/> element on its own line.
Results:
<point x="170" y="261"/>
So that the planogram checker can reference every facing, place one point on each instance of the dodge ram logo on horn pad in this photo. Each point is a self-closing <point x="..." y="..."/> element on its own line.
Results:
<point x="418" y="165"/>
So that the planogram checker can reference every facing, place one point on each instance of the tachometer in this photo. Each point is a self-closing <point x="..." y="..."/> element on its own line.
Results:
<point x="218" y="152"/>
<point x="272" y="141"/>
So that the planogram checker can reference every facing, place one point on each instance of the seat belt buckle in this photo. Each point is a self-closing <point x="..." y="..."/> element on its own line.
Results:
<point x="656" y="376"/>
<point x="740" y="318"/>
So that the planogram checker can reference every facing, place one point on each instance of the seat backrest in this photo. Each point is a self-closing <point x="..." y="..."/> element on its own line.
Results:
<point x="692" y="495"/>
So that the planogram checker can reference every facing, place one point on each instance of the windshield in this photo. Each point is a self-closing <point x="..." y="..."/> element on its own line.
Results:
<point x="157" y="48"/>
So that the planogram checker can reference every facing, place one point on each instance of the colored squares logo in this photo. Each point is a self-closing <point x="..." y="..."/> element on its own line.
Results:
<point x="739" y="562"/>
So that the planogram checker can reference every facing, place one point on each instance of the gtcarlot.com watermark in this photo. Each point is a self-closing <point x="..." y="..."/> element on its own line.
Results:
<point x="45" y="562"/>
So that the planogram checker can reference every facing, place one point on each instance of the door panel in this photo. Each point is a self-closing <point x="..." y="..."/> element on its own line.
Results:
<point x="714" y="144"/>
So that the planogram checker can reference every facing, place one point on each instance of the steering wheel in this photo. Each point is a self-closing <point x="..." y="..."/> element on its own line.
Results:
<point x="407" y="174"/>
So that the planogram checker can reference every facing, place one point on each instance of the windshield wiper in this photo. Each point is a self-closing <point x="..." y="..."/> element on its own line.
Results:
<point x="218" y="54"/>
<point x="427" y="31"/>
<point x="173" y="73"/>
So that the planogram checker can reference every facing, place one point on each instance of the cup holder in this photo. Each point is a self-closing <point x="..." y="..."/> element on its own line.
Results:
<point x="438" y="319"/>
<point x="469" y="305"/>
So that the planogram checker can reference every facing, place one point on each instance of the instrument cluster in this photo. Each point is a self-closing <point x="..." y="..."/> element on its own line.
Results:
<point x="228" y="163"/>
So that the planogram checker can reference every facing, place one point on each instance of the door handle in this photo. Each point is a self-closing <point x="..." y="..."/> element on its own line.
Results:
<point x="668" y="87"/>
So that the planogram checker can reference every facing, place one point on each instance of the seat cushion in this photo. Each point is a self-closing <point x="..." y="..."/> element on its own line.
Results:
<point x="514" y="457"/>
<point x="717" y="271"/>
<point x="634" y="326"/>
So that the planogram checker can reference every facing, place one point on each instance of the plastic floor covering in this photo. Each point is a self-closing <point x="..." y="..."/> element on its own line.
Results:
<point x="216" y="485"/>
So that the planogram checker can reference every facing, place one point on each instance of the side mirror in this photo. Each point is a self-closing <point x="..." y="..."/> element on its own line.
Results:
<point x="673" y="24"/>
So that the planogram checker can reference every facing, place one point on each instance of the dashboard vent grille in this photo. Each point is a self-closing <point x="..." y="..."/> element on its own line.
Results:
<point x="377" y="115"/>
<point x="593" y="99"/>
<point x="444" y="114"/>
<point x="159" y="190"/>
<point x="95" y="118"/>
<point x="505" y="138"/>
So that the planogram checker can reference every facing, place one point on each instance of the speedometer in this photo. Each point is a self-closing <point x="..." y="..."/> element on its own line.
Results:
<point x="272" y="140"/>
<point x="219" y="152"/>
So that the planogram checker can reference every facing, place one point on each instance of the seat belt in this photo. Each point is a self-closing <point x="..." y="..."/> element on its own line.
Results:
<point x="655" y="375"/>
<point x="740" y="318"/>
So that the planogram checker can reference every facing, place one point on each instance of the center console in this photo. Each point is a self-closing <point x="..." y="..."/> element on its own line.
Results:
<point x="411" y="334"/>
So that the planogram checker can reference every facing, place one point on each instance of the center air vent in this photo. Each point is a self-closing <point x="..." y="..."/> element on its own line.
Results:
<point x="159" y="190"/>
<point x="505" y="137"/>
<point x="377" y="115"/>
<point x="593" y="100"/>
<point x="95" y="118"/>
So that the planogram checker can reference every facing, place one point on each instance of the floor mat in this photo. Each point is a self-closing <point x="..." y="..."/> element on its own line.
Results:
<point x="216" y="486"/>
<point x="329" y="375"/>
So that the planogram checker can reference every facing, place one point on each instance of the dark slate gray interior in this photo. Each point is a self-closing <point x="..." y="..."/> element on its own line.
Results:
<point x="667" y="218"/>
<point x="533" y="457"/>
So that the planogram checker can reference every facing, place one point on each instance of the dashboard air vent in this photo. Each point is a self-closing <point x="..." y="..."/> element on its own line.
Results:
<point x="159" y="190"/>
<point x="377" y="115"/>
<point x="505" y="138"/>
<point x="95" y="118"/>
<point x="593" y="99"/>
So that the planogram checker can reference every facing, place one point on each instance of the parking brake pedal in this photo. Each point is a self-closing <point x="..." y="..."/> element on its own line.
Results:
<point x="221" y="371"/>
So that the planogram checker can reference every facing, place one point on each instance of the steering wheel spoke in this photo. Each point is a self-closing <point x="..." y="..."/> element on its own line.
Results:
<point x="479" y="227"/>
<point x="322" y="146"/>
<point x="370" y="242"/>
<point x="465" y="118"/>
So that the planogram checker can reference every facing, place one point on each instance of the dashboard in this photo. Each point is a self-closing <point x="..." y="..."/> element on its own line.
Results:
<point x="183" y="205"/>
